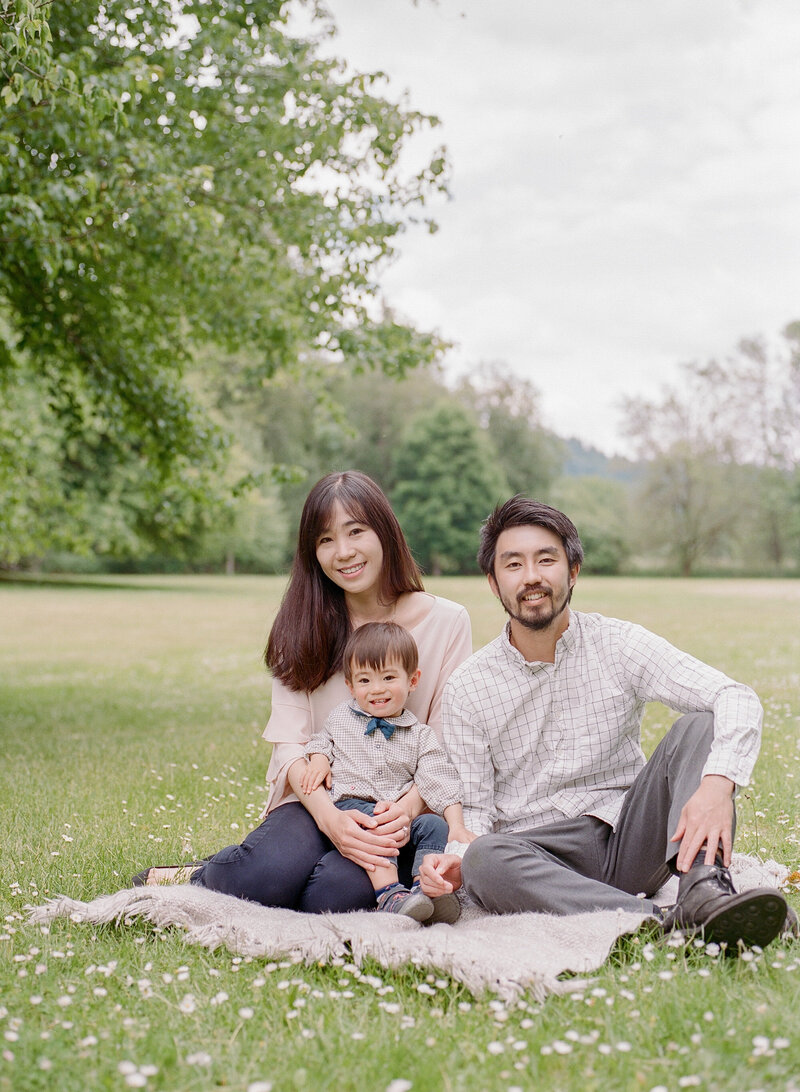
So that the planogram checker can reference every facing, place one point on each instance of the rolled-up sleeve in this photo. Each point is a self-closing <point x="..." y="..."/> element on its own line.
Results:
<point x="320" y="743"/>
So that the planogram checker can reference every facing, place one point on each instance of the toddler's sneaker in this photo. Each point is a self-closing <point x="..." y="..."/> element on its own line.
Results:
<point x="446" y="910"/>
<point x="399" y="900"/>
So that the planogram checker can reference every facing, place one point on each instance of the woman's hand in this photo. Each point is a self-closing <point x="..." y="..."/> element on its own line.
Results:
<point x="368" y="842"/>
<point x="356" y="836"/>
<point x="393" y="821"/>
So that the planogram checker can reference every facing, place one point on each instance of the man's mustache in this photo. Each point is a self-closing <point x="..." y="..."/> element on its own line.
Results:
<point x="536" y="588"/>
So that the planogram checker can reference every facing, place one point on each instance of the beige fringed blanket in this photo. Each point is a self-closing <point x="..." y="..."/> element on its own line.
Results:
<point x="505" y="954"/>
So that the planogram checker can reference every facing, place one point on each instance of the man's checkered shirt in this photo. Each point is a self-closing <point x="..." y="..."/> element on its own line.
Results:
<point x="373" y="768"/>
<point x="535" y="743"/>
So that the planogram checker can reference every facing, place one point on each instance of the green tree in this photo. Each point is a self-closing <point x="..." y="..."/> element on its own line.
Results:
<point x="251" y="538"/>
<point x="69" y="488"/>
<point x="757" y="394"/>
<point x="375" y="411"/>
<point x="290" y="430"/>
<point x="448" y="481"/>
<point x="32" y="499"/>
<point x="294" y="430"/>
<point x="176" y="174"/>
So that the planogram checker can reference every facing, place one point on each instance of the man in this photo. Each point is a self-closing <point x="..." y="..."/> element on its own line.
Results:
<point x="543" y="725"/>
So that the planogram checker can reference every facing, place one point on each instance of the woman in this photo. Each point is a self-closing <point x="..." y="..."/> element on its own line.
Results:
<point x="352" y="566"/>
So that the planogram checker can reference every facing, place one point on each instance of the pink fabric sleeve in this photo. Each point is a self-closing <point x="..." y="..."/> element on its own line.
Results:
<point x="295" y="716"/>
<point x="451" y="646"/>
<point x="288" y="730"/>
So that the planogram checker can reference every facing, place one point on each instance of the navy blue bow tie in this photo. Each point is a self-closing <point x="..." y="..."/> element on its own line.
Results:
<point x="386" y="727"/>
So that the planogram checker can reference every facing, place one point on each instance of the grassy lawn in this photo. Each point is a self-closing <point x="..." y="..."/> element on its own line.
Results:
<point x="130" y="719"/>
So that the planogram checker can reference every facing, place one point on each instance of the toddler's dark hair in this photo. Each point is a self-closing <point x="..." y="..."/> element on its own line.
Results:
<point x="374" y="644"/>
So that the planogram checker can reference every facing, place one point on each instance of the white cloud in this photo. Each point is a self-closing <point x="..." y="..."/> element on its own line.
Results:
<point x="625" y="184"/>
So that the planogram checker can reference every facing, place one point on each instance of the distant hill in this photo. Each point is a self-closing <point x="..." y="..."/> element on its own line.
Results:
<point x="583" y="462"/>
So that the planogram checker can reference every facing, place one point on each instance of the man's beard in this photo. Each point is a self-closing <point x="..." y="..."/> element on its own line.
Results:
<point x="542" y="619"/>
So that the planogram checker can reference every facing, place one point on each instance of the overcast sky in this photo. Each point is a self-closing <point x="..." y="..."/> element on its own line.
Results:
<point x="625" y="185"/>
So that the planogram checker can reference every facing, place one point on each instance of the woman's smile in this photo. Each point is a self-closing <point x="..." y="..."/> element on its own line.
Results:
<point x="352" y="570"/>
<point x="349" y="552"/>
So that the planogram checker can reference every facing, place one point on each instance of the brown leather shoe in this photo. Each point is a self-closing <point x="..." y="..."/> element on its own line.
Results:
<point x="708" y="903"/>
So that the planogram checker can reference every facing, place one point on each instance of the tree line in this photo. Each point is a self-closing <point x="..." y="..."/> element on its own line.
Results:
<point x="716" y="487"/>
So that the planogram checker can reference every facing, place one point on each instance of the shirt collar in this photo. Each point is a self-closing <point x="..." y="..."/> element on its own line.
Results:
<point x="406" y="719"/>
<point x="564" y="645"/>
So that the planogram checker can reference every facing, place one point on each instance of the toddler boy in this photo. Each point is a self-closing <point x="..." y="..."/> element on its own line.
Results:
<point x="373" y="749"/>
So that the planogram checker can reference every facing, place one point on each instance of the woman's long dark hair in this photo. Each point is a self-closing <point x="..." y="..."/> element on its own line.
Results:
<point x="308" y="636"/>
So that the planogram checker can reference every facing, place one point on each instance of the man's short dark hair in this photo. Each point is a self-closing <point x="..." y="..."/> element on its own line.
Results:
<point x="522" y="512"/>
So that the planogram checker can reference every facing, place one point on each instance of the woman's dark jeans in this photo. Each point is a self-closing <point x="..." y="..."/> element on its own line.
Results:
<point x="287" y="861"/>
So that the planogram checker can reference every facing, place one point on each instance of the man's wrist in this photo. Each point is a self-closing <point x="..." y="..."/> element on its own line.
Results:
<point x="720" y="782"/>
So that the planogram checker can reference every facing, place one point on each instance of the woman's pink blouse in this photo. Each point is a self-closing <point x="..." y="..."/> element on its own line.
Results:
<point x="444" y="639"/>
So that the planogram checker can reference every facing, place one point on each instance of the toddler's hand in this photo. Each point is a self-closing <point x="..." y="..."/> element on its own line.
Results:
<point x="316" y="773"/>
<point x="440" y="874"/>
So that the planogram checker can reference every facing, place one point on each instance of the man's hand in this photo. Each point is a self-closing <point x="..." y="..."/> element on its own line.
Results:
<point x="440" y="874"/>
<point x="317" y="772"/>
<point x="706" y="819"/>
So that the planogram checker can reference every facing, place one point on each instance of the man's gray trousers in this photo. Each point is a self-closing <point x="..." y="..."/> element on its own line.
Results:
<point x="582" y="864"/>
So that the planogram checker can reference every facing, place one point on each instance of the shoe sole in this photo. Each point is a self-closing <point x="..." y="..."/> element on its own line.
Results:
<point x="751" y="919"/>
